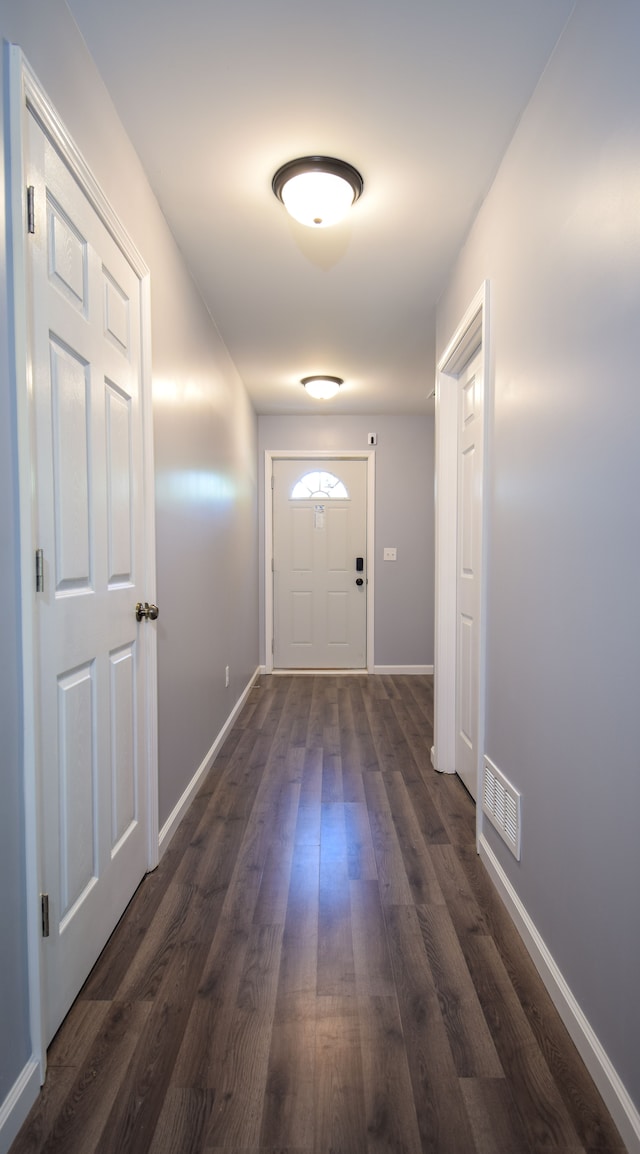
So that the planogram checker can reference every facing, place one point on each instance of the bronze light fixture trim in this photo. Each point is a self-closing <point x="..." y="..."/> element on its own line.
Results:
<point x="322" y="387"/>
<point x="323" y="175"/>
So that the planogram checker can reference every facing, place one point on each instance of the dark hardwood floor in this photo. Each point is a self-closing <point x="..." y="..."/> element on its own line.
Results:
<point x="319" y="964"/>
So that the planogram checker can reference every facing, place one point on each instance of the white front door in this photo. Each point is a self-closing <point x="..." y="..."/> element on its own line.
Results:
<point x="319" y="564"/>
<point x="88" y="517"/>
<point x="470" y="400"/>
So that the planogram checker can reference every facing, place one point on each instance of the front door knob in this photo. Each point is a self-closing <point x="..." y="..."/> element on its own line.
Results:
<point x="147" y="611"/>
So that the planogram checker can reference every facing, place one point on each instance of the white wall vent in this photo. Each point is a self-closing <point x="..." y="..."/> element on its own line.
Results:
<point x="501" y="803"/>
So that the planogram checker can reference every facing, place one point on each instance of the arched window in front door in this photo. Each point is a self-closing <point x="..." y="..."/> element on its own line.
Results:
<point x="319" y="485"/>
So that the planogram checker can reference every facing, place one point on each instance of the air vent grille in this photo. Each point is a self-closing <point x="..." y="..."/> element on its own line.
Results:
<point x="501" y="803"/>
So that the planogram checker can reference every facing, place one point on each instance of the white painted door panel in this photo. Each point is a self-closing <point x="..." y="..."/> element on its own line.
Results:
<point x="85" y="319"/>
<point x="319" y="610"/>
<point x="470" y="400"/>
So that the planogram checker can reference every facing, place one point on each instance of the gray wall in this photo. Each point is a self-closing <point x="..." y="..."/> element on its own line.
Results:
<point x="404" y="518"/>
<point x="205" y="445"/>
<point x="559" y="237"/>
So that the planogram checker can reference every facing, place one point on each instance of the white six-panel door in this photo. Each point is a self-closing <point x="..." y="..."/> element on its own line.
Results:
<point x="468" y="566"/>
<point x="88" y="520"/>
<point x="320" y="596"/>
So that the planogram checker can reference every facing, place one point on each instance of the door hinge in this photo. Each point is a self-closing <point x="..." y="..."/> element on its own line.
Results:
<point x="44" y="909"/>
<point x="272" y="482"/>
<point x="31" y="209"/>
<point x="273" y="568"/>
<point x="39" y="571"/>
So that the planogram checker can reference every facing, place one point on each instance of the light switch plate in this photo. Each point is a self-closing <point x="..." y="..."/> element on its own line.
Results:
<point x="390" y="555"/>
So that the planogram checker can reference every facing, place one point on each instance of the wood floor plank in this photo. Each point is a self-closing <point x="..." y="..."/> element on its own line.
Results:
<point x="416" y="724"/>
<point x="46" y="1112"/>
<point x="183" y="1121"/>
<point x="288" y="1109"/>
<point x="148" y="967"/>
<point x="361" y="856"/>
<point x="340" y="1122"/>
<point x="333" y="834"/>
<point x="405" y="762"/>
<point x="463" y="908"/>
<point x="378" y="709"/>
<point x="455" y="807"/>
<point x="211" y="1014"/>
<point x="332" y="777"/>
<point x="135" y="1111"/>
<point x="239" y="1075"/>
<point x="495" y="1121"/>
<point x="352" y="768"/>
<point x="374" y="975"/>
<point x="367" y="756"/>
<point x="395" y="888"/>
<point x="308" y="825"/>
<point x="311" y="784"/>
<point x="470" y="1041"/>
<point x="422" y="878"/>
<point x="315" y="727"/>
<point x="298" y="975"/>
<point x="442" y="1119"/>
<point x="391" y="1120"/>
<point x="83" y="1117"/>
<point x="336" y="969"/>
<point x="67" y="1054"/>
<point x="281" y="820"/>
<point x="545" y="1116"/>
<point x="82" y="1025"/>
<point x="300" y="705"/>
<point x="129" y="935"/>
<point x="427" y="816"/>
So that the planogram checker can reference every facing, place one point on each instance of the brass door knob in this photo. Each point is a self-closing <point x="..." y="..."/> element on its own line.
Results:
<point x="147" y="611"/>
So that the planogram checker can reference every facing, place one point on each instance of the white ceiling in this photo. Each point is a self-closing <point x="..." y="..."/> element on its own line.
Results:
<point x="422" y="96"/>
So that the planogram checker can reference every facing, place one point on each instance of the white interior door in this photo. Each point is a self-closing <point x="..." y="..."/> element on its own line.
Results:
<point x="470" y="425"/>
<point x="320" y="594"/>
<point x="85" y="337"/>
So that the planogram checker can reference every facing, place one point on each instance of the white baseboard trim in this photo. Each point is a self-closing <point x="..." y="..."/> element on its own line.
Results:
<point x="591" y="1050"/>
<point x="319" y="672"/>
<point x="377" y="669"/>
<point x="18" y="1103"/>
<point x="177" y="813"/>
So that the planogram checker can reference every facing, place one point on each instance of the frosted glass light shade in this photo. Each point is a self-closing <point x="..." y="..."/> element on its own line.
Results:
<point x="322" y="388"/>
<point x="317" y="191"/>
<point x="317" y="199"/>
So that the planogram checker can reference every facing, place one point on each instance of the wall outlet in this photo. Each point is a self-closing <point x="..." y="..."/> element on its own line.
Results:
<point x="227" y="678"/>
<point x="390" y="554"/>
<point x="372" y="439"/>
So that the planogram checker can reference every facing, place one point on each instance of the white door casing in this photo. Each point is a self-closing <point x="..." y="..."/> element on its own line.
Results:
<point x="84" y="436"/>
<point x="319" y="594"/>
<point x="319" y="459"/>
<point x="470" y="336"/>
<point x="469" y="523"/>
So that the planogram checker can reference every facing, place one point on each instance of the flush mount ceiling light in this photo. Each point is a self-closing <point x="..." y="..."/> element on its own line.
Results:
<point x="322" y="388"/>
<point x="317" y="190"/>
